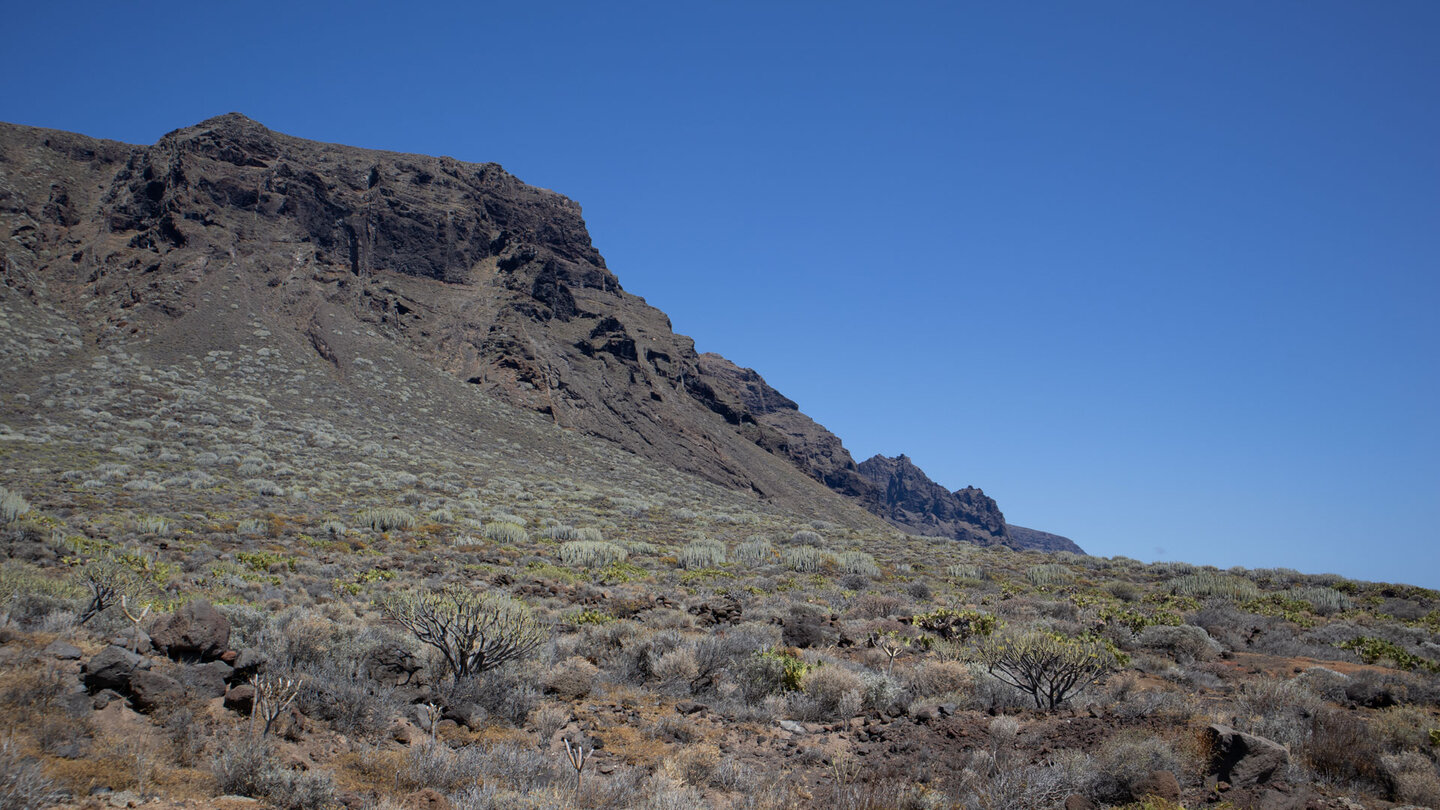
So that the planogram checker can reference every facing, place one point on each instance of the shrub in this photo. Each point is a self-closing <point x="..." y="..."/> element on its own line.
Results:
<point x="506" y="532"/>
<point x="385" y="519"/>
<point x="592" y="553"/>
<point x="806" y="537"/>
<point x="1048" y="574"/>
<point x="755" y="551"/>
<point x="701" y="554"/>
<point x="1186" y="643"/>
<point x="1341" y="746"/>
<point x="1125" y="759"/>
<point x="12" y="506"/>
<point x="1412" y="778"/>
<point x="1209" y="583"/>
<point x="1047" y="667"/>
<point x="573" y="678"/>
<point x="935" y="678"/>
<point x="957" y="625"/>
<point x="23" y="784"/>
<point x="857" y="562"/>
<point x="475" y="632"/>
<point x="829" y="693"/>
<point x="805" y="559"/>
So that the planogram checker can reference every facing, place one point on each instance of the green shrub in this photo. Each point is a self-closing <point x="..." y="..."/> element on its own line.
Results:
<point x="773" y="670"/>
<point x="592" y="553"/>
<point x="386" y="519"/>
<point x="1323" y="601"/>
<point x="755" y="550"/>
<point x="701" y="554"/>
<point x="957" y="625"/>
<point x="857" y="562"/>
<point x="1212" y="584"/>
<point x="1048" y="575"/>
<point x="506" y="533"/>
<point x="1372" y="650"/>
<point x="805" y="559"/>
<point x="964" y="571"/>
<point x="12" y="506"/>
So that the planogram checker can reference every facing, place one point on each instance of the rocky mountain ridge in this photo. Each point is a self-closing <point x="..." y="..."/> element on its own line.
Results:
<point x="480" y="275"/>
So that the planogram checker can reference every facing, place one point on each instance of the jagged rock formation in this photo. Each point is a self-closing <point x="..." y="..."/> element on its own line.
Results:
<point x="463" y="265"/>
<point x="913" y="501"/>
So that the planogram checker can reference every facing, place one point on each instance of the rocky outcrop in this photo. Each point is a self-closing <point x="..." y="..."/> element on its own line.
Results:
<point x="914" y="502"/>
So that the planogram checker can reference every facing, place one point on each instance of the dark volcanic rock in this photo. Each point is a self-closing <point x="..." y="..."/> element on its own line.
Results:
<point x="196" y="630"/>
<point x="112" y="668"/>
<point x="1241" y="759"/>
<point x="914" y="502"/>
<point x="151" y="691"/>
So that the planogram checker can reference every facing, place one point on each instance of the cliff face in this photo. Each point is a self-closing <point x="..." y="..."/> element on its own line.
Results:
<point x="461" y="264"/>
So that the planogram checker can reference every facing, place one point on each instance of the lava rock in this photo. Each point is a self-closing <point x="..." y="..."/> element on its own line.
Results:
<point x="151" y="690"/>
<point x="208" y="680"/>
<point x="196" y="630"/>
<point x="112" y="668"/>
<point x="240" y="698"/>
<point x="64" y="652"/>
<point x="1241" y="759"/>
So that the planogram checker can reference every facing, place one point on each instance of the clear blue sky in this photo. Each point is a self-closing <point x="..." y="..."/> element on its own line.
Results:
<point x="1161" y="277"/>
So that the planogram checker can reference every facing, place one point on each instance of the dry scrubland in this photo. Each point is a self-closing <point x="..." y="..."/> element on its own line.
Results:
<point x="691" y="646"/>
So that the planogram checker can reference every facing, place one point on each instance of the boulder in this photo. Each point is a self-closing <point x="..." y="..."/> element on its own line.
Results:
<point x="1159" y="784"/>
<point x="196" y="630"/>
<point x="151" y="690"/>
<point x="132" y="639"/>
<point x="64" y="652"/>
<point x="240" y="698"/>
<point x="1243" y="759"/>
<point x="111" y="668"/>
<point x="208" y="680"/>
<point x="248" y="663"/>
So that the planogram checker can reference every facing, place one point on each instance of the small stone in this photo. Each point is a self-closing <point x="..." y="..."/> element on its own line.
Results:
<point x="1077" y="802"/>
<point x="792" y="727"/>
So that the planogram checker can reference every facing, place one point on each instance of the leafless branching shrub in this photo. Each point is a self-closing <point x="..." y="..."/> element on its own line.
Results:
<point x="474" y="632"/>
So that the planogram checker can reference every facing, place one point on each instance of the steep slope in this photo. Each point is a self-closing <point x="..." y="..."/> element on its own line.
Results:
<point x="468" y="269"/>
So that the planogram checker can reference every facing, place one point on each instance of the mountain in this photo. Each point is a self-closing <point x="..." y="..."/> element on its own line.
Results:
<point x="462" y="267"/>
